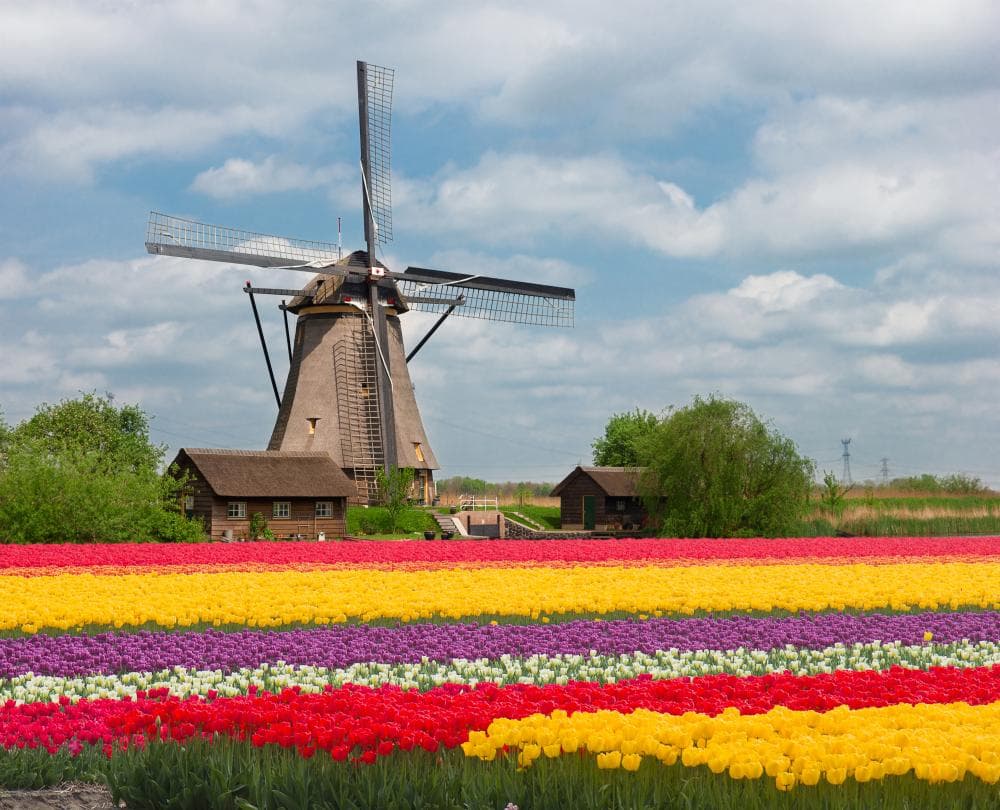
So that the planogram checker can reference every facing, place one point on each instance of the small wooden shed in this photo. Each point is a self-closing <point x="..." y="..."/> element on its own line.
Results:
<point x="301" y="494"/>
<point x="601" y="499"/>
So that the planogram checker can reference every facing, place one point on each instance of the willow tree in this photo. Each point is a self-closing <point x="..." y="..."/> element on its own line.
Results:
<point x="715" y="469"/>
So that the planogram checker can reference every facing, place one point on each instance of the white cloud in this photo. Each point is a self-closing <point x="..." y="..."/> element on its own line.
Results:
<point x="14" y="280"/>
<point x="887" y="369"/>
<point x="850" y="205"/>
<point x="237" y="177"/>
<point x="139" y="80"/>
<point x="516" y="197"/>
<point x="70" y="144"/>
<point x="130" y="346"/>
<point x="784" y="290"/>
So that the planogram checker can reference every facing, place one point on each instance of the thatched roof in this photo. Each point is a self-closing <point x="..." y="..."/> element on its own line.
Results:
<point x="269" y="473"/>
<point x="618" y="482"/>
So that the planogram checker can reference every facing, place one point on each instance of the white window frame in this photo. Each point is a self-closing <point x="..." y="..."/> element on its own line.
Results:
<point x="324" y="509"/>
<point x="275" y="509"/>
<point x="236" y="510"/>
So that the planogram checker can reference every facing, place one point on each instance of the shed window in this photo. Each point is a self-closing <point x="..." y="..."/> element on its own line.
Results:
<point x="237" y="509"/>
<point x="281" y="509"/>
<point x="620" y="505"/>
<point x="324" y="508"/>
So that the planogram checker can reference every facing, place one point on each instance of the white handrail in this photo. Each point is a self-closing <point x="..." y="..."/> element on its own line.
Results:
<point x="469" y="503"/>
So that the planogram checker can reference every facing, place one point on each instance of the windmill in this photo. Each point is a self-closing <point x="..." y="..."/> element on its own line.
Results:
<point x="348" y="390"/>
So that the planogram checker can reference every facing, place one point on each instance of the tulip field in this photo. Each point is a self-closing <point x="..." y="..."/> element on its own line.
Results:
<point x="820" y="672"/>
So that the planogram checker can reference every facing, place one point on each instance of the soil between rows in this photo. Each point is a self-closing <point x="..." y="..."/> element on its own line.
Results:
<point x="71" y="796"/>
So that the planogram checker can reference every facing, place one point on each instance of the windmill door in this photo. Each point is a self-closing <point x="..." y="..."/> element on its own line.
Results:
<point x="589" y="511"/>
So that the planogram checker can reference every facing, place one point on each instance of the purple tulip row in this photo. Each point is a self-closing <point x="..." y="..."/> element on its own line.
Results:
<point x="340" y="646"/>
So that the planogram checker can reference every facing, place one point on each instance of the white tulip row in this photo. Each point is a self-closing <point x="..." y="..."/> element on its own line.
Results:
<point x="536" y="669"/>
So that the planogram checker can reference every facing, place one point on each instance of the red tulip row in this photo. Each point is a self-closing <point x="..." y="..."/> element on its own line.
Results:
<point x="133" y="558"/>
<point x="364" y="723"/>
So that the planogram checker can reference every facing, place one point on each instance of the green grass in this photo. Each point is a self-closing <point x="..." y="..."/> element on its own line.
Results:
<point x="233" y="775"/>
<point x="374" y="520"/>
<point x="900" y="526"/>
<point x="956" y="502"/>
<point x="547" y="516"/>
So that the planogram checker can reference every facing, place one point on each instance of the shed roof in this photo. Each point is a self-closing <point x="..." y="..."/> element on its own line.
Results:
<point x="269" y="473"/>
<point x="618" y="482"/>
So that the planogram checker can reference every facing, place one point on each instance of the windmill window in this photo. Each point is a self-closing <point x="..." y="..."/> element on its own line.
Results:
<point x="419" y="451"/>
<point x="236" y="509"/>
<point x="324" y="508"/>
<point x="312" y="420"/>
<point x="281" y="509"/>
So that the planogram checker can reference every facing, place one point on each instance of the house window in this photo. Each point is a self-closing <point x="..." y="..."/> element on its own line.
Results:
<point x="620" y="505"/>
<point x="419" y="451"/>
<point x="237" y="509"/>
<point x="324" y="508"/>
<point x="281" y="509"/>
<point x="189" y="505"/>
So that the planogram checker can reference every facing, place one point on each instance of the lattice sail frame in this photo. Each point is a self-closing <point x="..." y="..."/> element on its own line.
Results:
<point x="379" y="93"/>
<point x="489" y="304"/>
<point x="173" y="236"/>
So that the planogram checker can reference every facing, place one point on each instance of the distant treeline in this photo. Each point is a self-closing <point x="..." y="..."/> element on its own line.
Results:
<point x="507" y="490"/>
<point x="956" y="484"/>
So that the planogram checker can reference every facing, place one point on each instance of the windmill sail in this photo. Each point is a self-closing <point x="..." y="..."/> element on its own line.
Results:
<point x="173" y="236"/>
<point x="375" y="118"/>
<point x="486" y="298"/>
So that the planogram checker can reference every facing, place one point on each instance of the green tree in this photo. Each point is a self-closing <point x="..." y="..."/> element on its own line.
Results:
<point x="624" y="433"/>
<point x="85" y="471"/>
<point x="714" y="469"/>
<point x="394" y="492"/>
<point x="117" y="436"/>
<point x="462" y="485"/>
<point x="833" y="492"/>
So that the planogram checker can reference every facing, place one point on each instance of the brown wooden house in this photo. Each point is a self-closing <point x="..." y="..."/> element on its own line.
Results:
<point x="601" y="499"/>
<point x="301" y="494"/>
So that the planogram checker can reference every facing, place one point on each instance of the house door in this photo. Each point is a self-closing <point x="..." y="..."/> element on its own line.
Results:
<point x="589" y="511"/>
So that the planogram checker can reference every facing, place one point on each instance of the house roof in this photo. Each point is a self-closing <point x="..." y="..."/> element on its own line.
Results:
<point x="269" y="473"/>
<point x="618" y="482"/>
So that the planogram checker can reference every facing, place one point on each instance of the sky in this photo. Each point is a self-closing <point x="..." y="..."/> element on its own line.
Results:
<point x="793" y="204"/>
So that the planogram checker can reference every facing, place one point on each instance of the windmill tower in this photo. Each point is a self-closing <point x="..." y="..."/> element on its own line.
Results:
<point x="348" y="390"/>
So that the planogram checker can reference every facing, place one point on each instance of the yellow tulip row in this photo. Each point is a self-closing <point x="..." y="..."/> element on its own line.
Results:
<point x="267" y="599"/>
<point x="938" y="743"/>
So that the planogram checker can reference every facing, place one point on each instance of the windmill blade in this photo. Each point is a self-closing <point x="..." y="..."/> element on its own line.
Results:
<point x="491" y="299"/>
<point x="375" y="119"/>
<point x="173" y="236"/>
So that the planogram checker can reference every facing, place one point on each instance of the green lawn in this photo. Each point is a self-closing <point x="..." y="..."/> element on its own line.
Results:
<point x="547" y="516"/>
